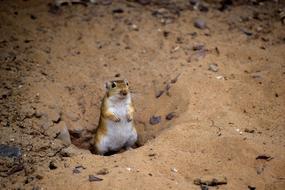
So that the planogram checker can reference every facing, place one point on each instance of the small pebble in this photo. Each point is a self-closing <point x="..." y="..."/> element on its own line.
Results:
<point x="152" y="155"/>
<point x="154" y="120"/>
<point x="197" y="47"/>
<point x="106" y="2"/>
<point x="103" y="171"/>
<point x="118" y="10"/>
<point x="204" y="187"/>
<point x="76" y="171"/>
<point x="174" y="170"/>
<point x="213" y="67"/>
<point x="199" y="23"/>
<point x="249" y="130"/>
<point x="144" y="2"/>
<point x="33" y="17"/>
<point x="52" y="165"/>
<point x="94" y="178"/>
<point x="264" y="157"/>
<point x="170" y="116"/>
<point x="211" y="181"/>
<point x="159" y="93"/>
<point x="251" y="187"/>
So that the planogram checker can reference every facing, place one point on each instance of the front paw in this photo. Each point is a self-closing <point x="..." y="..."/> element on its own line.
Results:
<point x="115" y="118"/>
<point x="129" y="118"/>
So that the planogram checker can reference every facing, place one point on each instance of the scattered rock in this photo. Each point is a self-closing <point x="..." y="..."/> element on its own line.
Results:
<point x="276" y="95"/>
<point x="16" y="168"/>
<point x="166" y="34"/>
<point x="170" y="116"/>
<point x="211" y="181"/>
<point x="106" y="2"/>
<point x="63" y="134"/>
<point x="9" y="151"/>
<point x="225" y="4"/>
<point x="144" y="2"/>
<point x="154" y="120"/>
<point x="198" y="55"/>
<point x="247" y="32"/>
<point x="52" y="165"/>
<point x="6" y="57"/>
<point x="59" y="3"/>
<point x="134" y="27"/>
<point x="78" y="169"/>
<point x="200" y="23"/>
<point x="174" y="170"/>
<point x="152" y="154"/>
<point x="94" y="178"/>
<point x="204" y="187"/>
<point x="198" y="47"/>
<point x="54" y="9"/>
<point x="249" y="130"/>
<point x="103" y="171"/>
<point x="264" y="157"/>
<point x="73" y="151"/>
<point x="39" y="114"/>
<point x="173" y="81"/>
<point x="251" y="187"/>
<point x="203" y="7"/>
<point x="213" y="67"/>
<point x="159" y="93"/>
<point x="118" y="11"/>
<point x="33" y="17"/>
<point x="4" y="93"/>
<point x="164" y="15"/>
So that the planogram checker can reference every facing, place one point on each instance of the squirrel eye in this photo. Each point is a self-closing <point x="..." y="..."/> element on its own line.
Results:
<point x="113" y="85"/>
<point x="127" y="83"/>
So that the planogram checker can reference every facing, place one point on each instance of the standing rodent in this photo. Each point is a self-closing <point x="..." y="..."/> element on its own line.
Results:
<point x="116" y="127"/>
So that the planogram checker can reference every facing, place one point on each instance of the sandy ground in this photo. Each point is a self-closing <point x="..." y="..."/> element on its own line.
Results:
<point x="229" y="120"/>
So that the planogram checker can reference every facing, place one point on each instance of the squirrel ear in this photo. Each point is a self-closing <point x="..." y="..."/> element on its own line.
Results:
<point x="107" y="85"/>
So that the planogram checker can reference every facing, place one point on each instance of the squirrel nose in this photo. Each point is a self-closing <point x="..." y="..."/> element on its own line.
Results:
<point x="123" y="92"/>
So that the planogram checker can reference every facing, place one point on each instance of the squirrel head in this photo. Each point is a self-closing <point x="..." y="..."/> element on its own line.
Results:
<point x="118" y="89"/>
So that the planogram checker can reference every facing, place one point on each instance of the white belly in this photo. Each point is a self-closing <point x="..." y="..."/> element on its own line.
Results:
<point x="119" y="134"/>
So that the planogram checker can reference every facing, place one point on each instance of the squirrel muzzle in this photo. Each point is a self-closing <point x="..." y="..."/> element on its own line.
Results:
<point x="123" y="92"/>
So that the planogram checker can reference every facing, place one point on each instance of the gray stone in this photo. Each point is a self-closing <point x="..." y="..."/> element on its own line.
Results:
<point x="94" y="178"/>
<point x="200" y="23"/>
<point x="211" y="181"/>
<point x="9" y="151"/>
<point x="63" y="135"/>
<point x="213" y="67"/>
<point x="154" y="120"/>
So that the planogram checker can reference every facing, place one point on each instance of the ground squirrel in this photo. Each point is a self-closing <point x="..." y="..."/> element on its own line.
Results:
<point x="116" y="127"/>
